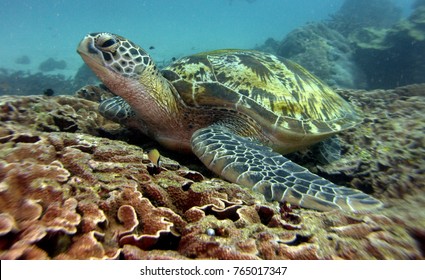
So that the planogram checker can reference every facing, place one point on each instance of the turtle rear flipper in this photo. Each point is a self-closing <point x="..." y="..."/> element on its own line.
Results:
<point x="245" y="162"/>
<point x="328" y="150"/>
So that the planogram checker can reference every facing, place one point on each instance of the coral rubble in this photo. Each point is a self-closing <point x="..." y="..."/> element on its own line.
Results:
<point x="68" y="192"/>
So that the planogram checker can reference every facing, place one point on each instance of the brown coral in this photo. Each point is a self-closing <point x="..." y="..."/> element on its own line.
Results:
<point x="75" y="196"/>
<point x="139" y="222"/>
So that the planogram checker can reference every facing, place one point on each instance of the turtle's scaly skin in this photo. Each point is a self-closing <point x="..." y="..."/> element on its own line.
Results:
<point x="226" y="107"/>
<point x="247" y="163"/>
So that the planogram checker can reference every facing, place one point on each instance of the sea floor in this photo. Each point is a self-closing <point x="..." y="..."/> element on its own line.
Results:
<point x="76" y="186"/>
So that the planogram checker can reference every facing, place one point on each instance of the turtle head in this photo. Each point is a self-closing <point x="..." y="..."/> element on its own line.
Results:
<point x="111" y="55"/>
<point x="129" y="72"/>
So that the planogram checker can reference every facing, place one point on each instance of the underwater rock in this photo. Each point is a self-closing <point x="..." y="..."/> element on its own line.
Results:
<point x="84" y="76"/>
<point x="24" y="83"/>
<point x="358" y="14"/>
<point x="393" y="57"/>
<point x="51" y="64"/>
<point x="418" y="3"/>
<point x="325" y="53"/>
<point x="24" y="60"/>
<point x="269" y="46"/>
<point x="365" y="44"/>
<point x="72" y="195"/>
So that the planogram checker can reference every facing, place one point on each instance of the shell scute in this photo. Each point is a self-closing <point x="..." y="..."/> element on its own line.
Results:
<point x="272" y="90"/>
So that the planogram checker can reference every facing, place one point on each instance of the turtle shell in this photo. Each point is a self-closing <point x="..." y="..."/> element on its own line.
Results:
<point x="276" y="92"/>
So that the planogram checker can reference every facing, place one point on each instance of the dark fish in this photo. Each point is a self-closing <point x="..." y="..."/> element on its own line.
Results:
<point x="48" y="92"/>
<point x="151" y="47"/>
<point x="173" y="58"/>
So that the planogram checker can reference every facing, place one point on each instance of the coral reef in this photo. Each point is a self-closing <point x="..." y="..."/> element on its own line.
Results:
<point x="384" y="154"/>
<point x="51" y="64"/>
<point x="393" y="132"/>
<point x="364" y="45"/>
<point x="357" y="14"/>
<point x="84" y="76"/>
<point x="393" y="57"/>
<point x="66" y="194"/>
<point x="94" y="93"/>
<point x="49" y="114"/>
<point x="324" y="52"/>
<point x="25" y="83"/>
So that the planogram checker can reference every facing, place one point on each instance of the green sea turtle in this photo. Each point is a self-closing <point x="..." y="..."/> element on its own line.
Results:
<point x="237" y="110"/>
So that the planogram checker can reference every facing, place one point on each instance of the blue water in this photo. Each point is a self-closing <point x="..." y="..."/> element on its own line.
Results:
<point x="44" y="29"/>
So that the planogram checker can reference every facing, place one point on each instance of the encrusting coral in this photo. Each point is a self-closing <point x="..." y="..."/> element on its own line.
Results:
<point x="66" y="194"/>
<point x="385" y="153"/>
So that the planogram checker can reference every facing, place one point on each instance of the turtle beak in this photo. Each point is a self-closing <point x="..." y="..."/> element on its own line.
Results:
<point x="86" y="47"/>
<point x="90" y="54"/>
<point x="93" y="57"/>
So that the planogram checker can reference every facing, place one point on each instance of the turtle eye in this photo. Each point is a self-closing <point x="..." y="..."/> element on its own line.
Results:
<point x="106" y="42"/>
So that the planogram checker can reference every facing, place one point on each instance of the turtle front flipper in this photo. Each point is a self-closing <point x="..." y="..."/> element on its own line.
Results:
<point x="245" y="162"/>
<point x="118" y="110"/>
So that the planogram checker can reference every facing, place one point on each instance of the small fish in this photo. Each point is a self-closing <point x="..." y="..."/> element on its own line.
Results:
<point x="151" y="47"/>
<point x="155" y="157"/>
<point x="173" y="58"/>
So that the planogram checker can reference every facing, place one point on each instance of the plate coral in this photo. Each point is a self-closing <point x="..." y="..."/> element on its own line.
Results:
<point x="70" y="188"/>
